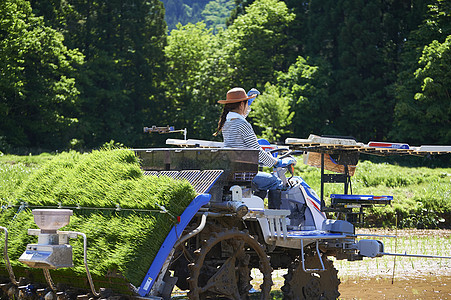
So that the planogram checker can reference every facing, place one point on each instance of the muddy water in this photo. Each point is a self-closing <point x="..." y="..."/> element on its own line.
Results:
<point x="412" y="288"/>
<point x="413" y="278"/>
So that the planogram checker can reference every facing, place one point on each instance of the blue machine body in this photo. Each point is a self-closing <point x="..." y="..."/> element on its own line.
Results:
<point x="170" y="241"/>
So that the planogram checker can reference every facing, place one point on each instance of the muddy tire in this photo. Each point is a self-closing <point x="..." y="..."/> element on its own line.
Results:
<point x="300" y="285"/>
<point x="222" y="268"/>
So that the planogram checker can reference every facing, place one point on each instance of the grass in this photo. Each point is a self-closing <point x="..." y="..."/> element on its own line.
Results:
<point x="421" y="196"/>
<point x="15" y="169"/>
<point x="28" y="160"/>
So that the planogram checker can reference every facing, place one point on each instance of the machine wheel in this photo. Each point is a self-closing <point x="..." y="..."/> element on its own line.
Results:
<point x="300" y="285"/>
<point x="223" y="266"/>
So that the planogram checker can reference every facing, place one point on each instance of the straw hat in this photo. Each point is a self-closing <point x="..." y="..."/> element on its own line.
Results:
<point x="235" y="95"/>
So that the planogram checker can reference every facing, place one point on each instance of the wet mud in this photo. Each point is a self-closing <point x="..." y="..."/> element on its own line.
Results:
<point x="406" y="288"/>
<point x="401" y="278"/>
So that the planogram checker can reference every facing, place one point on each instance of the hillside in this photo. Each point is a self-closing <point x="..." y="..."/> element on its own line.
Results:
<point x="213" y="13"/>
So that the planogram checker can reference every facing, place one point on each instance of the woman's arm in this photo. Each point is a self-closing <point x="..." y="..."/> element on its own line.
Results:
<point x="250" y="140"/>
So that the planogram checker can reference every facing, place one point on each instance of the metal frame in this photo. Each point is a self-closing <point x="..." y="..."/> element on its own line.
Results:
<point x="169" y="242"/>
<point x="319" y="257"/>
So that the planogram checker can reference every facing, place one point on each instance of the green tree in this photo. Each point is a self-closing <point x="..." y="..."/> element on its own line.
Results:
<point x="121" y="82"/>
<point x="436" y="89"/>
<point x="256" y="42"/>
<point x="271" y="113"/>
<point x="38" y="96"/>
<point x="183" y="12"/>
<point x="430" y="113"/>
<point x="126" y="68"/>
<point x="365" y="110"/>
<point x="307" y="87"/>
<point x="197" y="78"/>
<point x="216" y="13"/>
<point x="419" y="77"/>
<point x="238" y="10"/>
<point x="361" y="42"/>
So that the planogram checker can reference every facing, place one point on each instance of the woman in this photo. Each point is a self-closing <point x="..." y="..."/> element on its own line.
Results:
<point x="238" y="133"/>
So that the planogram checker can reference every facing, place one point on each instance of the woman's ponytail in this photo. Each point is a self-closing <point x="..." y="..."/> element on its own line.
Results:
<point x="227" y="108"/>
<point x="222" y="119"/>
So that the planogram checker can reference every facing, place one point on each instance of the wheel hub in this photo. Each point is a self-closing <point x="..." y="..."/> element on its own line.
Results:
<point x="301" y="285"/>
<point x="229" y="278"/>
<point x="312" y="289"/>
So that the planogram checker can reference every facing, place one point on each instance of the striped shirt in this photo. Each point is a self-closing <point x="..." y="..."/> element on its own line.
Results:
<point x="238" y="133"/>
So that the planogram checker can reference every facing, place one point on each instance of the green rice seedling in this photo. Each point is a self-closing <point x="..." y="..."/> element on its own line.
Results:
<point x="410" y="242"/>
<point x="94" y="185"/>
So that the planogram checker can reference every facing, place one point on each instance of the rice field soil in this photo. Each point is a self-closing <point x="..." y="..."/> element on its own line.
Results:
<point x="431" y="288"/>
<point x="392" y="277"/>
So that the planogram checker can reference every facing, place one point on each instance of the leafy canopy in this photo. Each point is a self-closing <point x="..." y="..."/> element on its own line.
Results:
<point x="271" y="112"/>
<point x="436" y="88"/>
<point x="38" y="94"/>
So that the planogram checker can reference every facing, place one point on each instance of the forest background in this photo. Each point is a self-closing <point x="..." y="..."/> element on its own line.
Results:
<point x="75" y="74"/>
